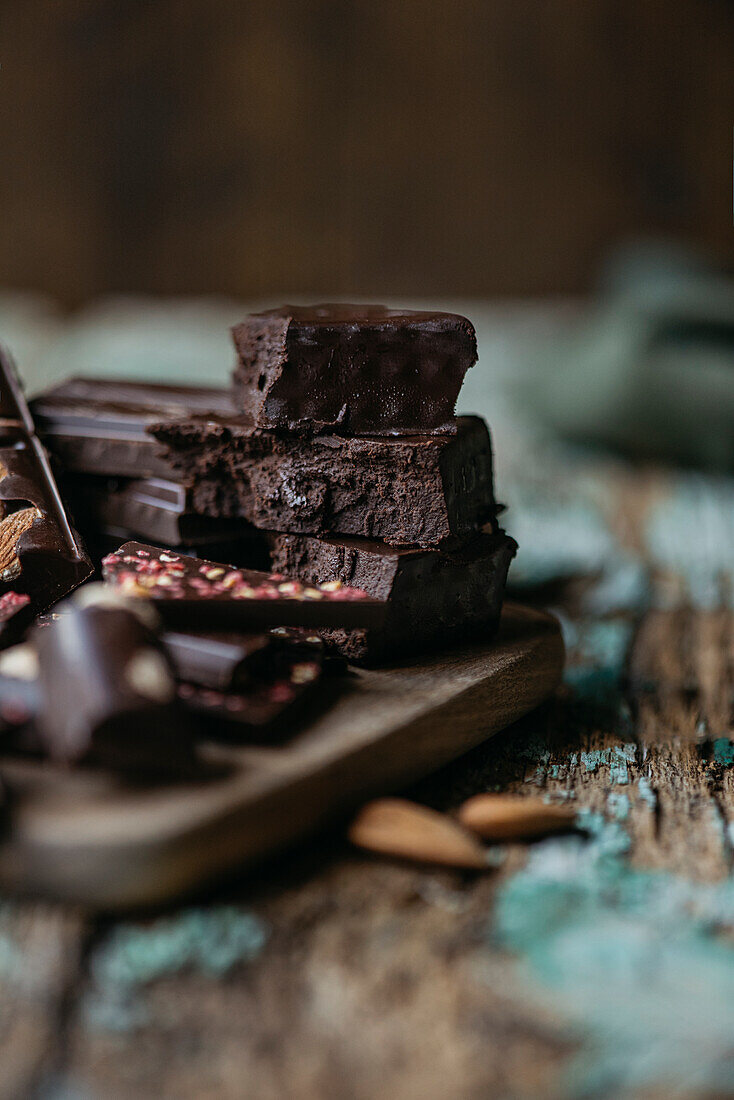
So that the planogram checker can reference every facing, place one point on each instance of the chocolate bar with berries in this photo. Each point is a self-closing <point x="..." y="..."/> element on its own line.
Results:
<point x="193" y="594"/>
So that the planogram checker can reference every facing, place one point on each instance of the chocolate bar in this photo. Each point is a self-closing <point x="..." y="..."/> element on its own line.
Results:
<point x="421" y="489"/>
<point x="150" y="508"/>
<point x="41" y="557"/>
<point x="99" y="425"/>
<point x="358" y="369"/>
<point x="229" y="661"/>
<point x="263" y="711"/>
<point x="434" y="598"/>
<point x="107" y="692"/>
<point x="210" y="596"/>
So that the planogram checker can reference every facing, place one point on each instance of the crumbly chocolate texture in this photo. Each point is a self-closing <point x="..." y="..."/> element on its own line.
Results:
<point x="435" y="598"/>
<point x="413" y="490"/>
<point x="99" y="425"/>
<point x="190" y="593"/>
<point x="420" y="489"/>
<point x="357" y="369"/>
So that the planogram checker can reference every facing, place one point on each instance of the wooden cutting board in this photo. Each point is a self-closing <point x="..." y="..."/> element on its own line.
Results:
<point x="85" y="837"/>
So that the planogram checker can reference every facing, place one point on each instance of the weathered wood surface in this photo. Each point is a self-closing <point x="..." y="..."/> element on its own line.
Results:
<point x="597" y="965"/>
<point x="87" y="838"/>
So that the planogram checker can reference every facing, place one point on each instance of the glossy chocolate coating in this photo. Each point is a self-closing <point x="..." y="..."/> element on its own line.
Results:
<point x="51" y="560"/>
<point x="434" y="598"/>
<point x="99" y="425"/>
<point x="421" y="489"/>
<point x="191" y="594"/>
<point x="108" y="695"/>
<point x="357" y="369"/>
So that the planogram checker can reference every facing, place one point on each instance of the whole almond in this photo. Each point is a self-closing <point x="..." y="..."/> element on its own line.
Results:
<point x="11" y="528"/>
<point x="395" y="827"/>
<point x="509" y="817"/>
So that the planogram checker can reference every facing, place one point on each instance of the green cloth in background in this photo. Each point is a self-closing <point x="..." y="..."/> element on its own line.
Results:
<point x="649" y="370"/>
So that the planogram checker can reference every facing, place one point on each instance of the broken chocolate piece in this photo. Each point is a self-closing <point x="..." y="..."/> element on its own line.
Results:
<point x="99" y="425"/>
<point x="358" y="369"/>
<point x="261" y="712"/>
<point x="420" y="490"/>
<point x="231" y="661"/>
<point x="189" y="592"/>
<point x="40" y="555"/>
<point x="434" y="598"/>
<point x="107" y="692"/>
<point x="149" y="508"/>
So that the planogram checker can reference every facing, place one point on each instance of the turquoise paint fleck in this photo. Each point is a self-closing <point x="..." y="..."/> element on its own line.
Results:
<point x="210" y="941"/>
<point x="646" y="793"/>
<point x="690" y="533"/>
<point x="619" y="805"/>
<point x="724" y="751"/>
<point x="618" y="757"/>
<point x="633" y="961"/>
<point x="557" y="539"/>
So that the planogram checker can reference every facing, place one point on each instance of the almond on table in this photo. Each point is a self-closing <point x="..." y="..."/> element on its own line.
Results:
<point x="511" y="817"/>
<point x="396" y="827"/>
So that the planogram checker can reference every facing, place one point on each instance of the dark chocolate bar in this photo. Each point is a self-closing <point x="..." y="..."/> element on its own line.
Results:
<point x="358" y="369"/>
<point x="40" y="555"/>
<point x="149" y="508"/>
<point x="231" y="661"/>
<point x="263" y="711"/>
<point x="107" y="692"/>
<point x="421" y="490"/>
<point x="99" y="425"/>
<point x="434" y="598"/>
<point x="192" y="594"/>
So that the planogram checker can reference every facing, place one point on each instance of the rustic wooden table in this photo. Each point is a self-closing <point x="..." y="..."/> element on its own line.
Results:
<point x="598" y="964"/>
<point x="593" y="965"/>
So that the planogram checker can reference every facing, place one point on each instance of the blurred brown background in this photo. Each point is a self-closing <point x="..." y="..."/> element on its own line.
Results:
<point x="417" y="147"/>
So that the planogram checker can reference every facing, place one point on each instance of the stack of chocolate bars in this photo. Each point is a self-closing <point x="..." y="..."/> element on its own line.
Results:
<point x="336" y="456"/>
<point x="335" y="460"/>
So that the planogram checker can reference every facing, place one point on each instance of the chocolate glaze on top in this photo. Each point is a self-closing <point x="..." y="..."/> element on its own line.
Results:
<point x="356" y="369"/>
